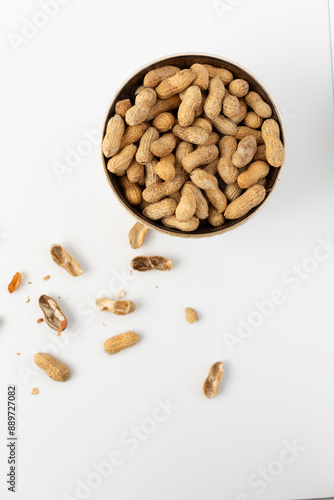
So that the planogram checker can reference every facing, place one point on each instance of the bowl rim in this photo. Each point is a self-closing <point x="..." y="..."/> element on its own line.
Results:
<point x="172" y="231"/>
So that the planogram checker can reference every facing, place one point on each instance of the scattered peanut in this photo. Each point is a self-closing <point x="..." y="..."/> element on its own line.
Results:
<point x="137" y="235"/>
<point x="211" y="384"/>
<point x="54" y="368"/>
<point x="15" y="283"/>
<point x="149" y="263"/>
<point x="35" y="391"/>
<point x="119" y="307"/>
<point x="64" y="260"/>
<point x="191" y="315"/>
<point x="120" y="342"/>
<point x="52" y="313"/>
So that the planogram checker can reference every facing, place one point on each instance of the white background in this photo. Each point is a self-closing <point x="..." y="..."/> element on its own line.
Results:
<point x="278" y="383"/>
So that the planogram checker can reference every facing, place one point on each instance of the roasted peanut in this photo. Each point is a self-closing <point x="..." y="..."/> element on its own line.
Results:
<point x="187" y="206"/>
<point x="213" y="103"/>
<point x="212" y="168"/>
<point x="202" y="76"/>
<point x="239" y="87"/>
<point x="256" y="171"/>
<point x="245" y="152"/>
<point x="175" y="197"/>
<point x="191" y="315"/>
<point x="260" y="153"/>
<point x="133" y="134"/>
<point x="227" y="171"/>
<point x="244" y="131"/>
<point x="164" y="122"/>
<point x="182" y="150"/>
<point x="274" y="147"/>
<point x="253" y="120"/>
<point x="175" y="84"/>
<point x="119" y="307"/>
<point x="122" y="107"/>
<point x="163" y="105"/>
<point x="119" y="164"/>
<point x="212" y="139"/>
<point x="64" y="260"/>
<point x="209" y="183"/>
<point x="215" y="218"/>
<point x="164" y="145"/>
<point x="262" y="182"/>
<point x="190" y="103"/>
<point x="231" y="106"/>
<point x="155" y="192"/>
<point x="224" y="125"/>
<point x="143" y="104"/>
<point x="119" y="342"/>
<point x="195" y="135"/>
<point x="243" y="108"/>
<point x="156" y="262"/>
<point x="137" y="235"/>
<point x="112" y="140"/>
<point x="135" y="172"/>
<point x="52" y="313"/>
<point x="151" y="177"/>
<point x="211" y="384"/>
<point x="54" y="368"/>
<point x="201" y="156"/>
<point x="174" y="223"/>
<point x="232" y="191"/>
<point x="144" y="154"/>
<point x="15" y="283"/>
<point x="203" y="123"/>
<point x="244" y="203"/>
<point x="255" y="101"/>
<point x="158" y="75"/>
<point x="163" y="208"/>
<point x="165" y="168"/>
<point x="132" y="191"/>
<point x="224" y="74"/>
<point x="202" y="208"/>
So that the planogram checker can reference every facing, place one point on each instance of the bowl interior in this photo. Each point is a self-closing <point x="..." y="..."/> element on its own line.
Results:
<point x="127" y="91"/>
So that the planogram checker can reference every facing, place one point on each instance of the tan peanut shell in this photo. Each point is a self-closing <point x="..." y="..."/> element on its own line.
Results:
<point x="53" y="315"/>
<point x="195" y="135"/>
<point x="175" y="84"/>
<point x="231" y="106"/>
<point x="245" y="152"/>
<point x="213" y="103"/>
<point x="209" y="183"/>
<point x="190" y="103"/>
<point x="144" y="154"/>
<point x="156" y="192"/>
<point x="176" y="197"/>
<point x="243" y="108"/>
<point x="151" y="176"/>
<point x="182" y="150"/>
<point x="132" y="191"/>
<point x="187" y="206"/>
<point x="137" y="235"/>
<point x="215" y="218"/>
<point x="119" y="307"/>
<point x="163" y="105"/>
<point x="224" y="125"/>
<point x="212" y="168"/>
<point x="165" y="168"/>
<point x="164" y="145"/>
<point x="244" y="203"/>
<point x="201" y="156"/>
<point x="203" y="123"/>
<point x="260" y="153"/>
<point x="256" y="171"/>
<point x="211" y="384"/>
<point x="202" y="207"/>
<point x="253" y="120"/>
<point x="119" y="342"/>
<point x="244" y="131"/>
<point x="140" y="111"/>
<point x="164" y="122"/>
<point x="112" y="140"/>
<point x="274" y="147"/>
<point x="118" y="164"/>
<point x="174" y="223"/>
<point x="232" y="191"/>
<point x="54" y="368"/>
<point x="133" y="134"/>
<point x="212" y="139"/>
<point x="158" y="75"/>
<point x="65" y="260"/>
<point x="122" y="107"/>
<point x="135" y="172"/>
<point x="202" y="76"/>
<point x="255" y="101"/>
<point x="191" y="315"/>
<point x="224" y="74"/>
<point x="239" y="87"/>
<point x="227" y="171"/>
<point x="156" y="262"/>
<point x="262" y="182"/>
<point x="160" y="209"/>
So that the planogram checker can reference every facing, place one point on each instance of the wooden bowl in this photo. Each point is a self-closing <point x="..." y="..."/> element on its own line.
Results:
<point x="127" y="91"/>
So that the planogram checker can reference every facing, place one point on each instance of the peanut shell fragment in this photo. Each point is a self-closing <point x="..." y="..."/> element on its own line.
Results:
<point x="156" y="262"/>
<point x="211" y="384"/>
<point x="53" y="315"/>
<point x="137" y="235"/>
<point x="15" y="283"/>
<point x="63" y="259"/>
<point x="191" y="315"/>
<point x="119" y="307"/>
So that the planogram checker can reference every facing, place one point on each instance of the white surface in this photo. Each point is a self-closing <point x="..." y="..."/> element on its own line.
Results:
<point x="278" y="384"/>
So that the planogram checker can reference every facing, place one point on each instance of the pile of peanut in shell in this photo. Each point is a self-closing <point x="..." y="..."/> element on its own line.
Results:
<point x="196" y="145"/>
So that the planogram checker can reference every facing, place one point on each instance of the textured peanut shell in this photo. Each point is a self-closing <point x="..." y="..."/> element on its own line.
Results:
<point x="140" y="111"/>
<point x="164" y="122"/>
<point x="191" y="315"/>
<point x="245" y="152"/>
<point x="54" y="368"/>
<point x="202" y="76"/>
<point x="201" y="156"/>
<point x="65" y="260"/>
<point x="175" y="84"/>
<point x="163" y="105"/>
<point x="255" y="101"/>
<point x="119" y="342"/>
<point x="260" y="153"/>
<point x="256" y="171"/>
<point x="174" y="223"/>
<point x="203" y="123"/>
<point x="243" y="108"/>
<point x="151" y="176"/>
<point x="244" y="203"/>
<point x="202" y="207"/>
<point x="118" y="307"/>
<point x="155" y="192"/>
<point x="144" y="154"/>
<point x="53" y="315"/>
<point x="211" y="384"/>
<point x="156" y="262"/>
<point x="274" y="147"/>
<point x="158" y="75"/>
<point x="244" y="131"/>
<point x="190" y="103"/>
<point x="135" y="172"/>
<point x="224" y="74"/>
<point x="224" y="125"/>
<point x="137" y="235"/>
<point x="253" y="120"/>
<point x="182" y="150"/>
<point x="164" y="145"/>
<point x="132" y="191"/>
<point x="215" y="218"/>
<point x="227" y="171"/>
<point x="213" y="103"/>
<point x="112" y="140"/>
<point x="195" y="135"/>
<point x="187" y="206"/>
<point x="239" y="87"/>
<point x="232" y="191"/>
<point x="209" y="183"/>
<point x="118" y="164"/>
<point x="165" y="168"/>
<point x="212" y="168"/>
<point x="122" y="107"/>
<point x="160" y="209"/>
<point x="133" y="134"/>
<point x="231" y="106"/>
